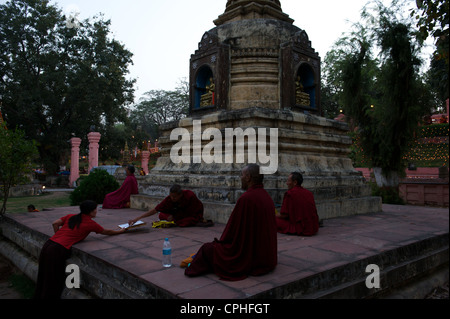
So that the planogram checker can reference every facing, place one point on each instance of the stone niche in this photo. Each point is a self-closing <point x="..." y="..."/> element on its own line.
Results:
<point x="265" y="63"/>
<point x="257" y="71"/>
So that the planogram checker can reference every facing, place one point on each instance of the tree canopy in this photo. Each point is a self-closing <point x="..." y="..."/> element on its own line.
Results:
<point x="16" y="156"/>
<point x="375" y="69"/>
<point x="159" y="107"/>
<point x="58" y="79"/>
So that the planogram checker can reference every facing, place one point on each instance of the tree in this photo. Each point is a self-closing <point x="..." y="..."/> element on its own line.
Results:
<point x="58" y="79"/>
<point x="355" y="47"/>
<point x="433" y="19"/>
<point x="386" y="97"/>
<point x="159" y="107"/>
<point x="16" y="156"/>
<point x="94" y="187"/>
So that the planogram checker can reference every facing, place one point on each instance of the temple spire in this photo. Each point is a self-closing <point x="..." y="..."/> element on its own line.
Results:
<point x="252" y="9"/>
<point x="232" y="4"/>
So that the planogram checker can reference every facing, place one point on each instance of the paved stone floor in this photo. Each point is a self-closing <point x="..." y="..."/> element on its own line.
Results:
<point x="340" y="241"/>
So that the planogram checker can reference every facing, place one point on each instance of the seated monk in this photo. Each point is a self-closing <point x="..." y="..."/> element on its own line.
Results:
<point x="121" y="197"/>
<point x="181" y="206"/>
<point x="298" y="214"/>
<point x="248" y="245"/>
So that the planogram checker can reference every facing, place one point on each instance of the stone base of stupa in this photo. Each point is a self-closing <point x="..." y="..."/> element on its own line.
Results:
<point x="314" y="146"/>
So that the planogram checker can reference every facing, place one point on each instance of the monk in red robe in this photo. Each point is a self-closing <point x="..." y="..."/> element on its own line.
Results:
<point x="121" y="197"/>
<point x="248" y="245"/>
<point x="298" y="214"/>
<point x="181" y="206"/>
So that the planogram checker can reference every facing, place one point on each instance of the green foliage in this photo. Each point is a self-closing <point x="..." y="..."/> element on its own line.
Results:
<point x="389" y="195"/>
<point x="94" y="187"/>
<point x="384" y="97"/>
<point x="59" y="79"/>
<point x="22" y="284"/>
<point x="433" y="19"/>
<point x="16" y="155"/>
<point x="159" y="107"/>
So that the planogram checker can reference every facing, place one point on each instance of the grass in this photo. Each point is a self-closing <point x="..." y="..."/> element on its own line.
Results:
<point x="46" y="200"/>
<point x="23" y="285"/>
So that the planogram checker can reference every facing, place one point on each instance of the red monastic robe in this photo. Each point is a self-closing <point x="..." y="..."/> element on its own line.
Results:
<point x="188" y="211"/>
<point x="299" y="204"/>
<point x="121" y="197"/>
<point x="248" y="245"/>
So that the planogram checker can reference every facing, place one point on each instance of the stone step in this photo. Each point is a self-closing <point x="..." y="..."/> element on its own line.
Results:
<point x="100" y="278"/>
<point x="398" y="268"/>
<point x="220" y="212"/>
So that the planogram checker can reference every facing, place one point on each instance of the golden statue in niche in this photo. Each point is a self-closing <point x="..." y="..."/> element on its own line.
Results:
<point x="208" y="98"/>
<point x="301" y="97"/>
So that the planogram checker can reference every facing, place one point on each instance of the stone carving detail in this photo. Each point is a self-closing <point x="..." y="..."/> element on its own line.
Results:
<point x="301" y="38"/>
<point x="208" y="41"/>
<point x="254" y="52"/>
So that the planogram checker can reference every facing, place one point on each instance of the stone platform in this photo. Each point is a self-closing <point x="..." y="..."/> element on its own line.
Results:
<point x="407" y="243"/>
<point x="314" y="146"/>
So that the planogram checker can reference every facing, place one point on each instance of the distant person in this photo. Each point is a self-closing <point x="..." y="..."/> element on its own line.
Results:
<point x="121" y="197"/>
<point x="32" y="209"/>
<point x="298" y="213"/>
<point x="181" y="206"/>
<point x="248" y="245"/>
<point x="69" y="230"/>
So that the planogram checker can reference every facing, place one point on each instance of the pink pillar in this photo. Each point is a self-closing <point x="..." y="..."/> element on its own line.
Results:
<point x="75" y="161"/>
<point x="94" y="139"/>
<point x="145" y="157"/>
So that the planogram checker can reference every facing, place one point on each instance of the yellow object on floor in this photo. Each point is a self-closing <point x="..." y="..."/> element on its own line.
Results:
<point x="187" y="261"/>
<point x="163" y="224"/>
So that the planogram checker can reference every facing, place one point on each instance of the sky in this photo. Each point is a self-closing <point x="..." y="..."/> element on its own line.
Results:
<point x="162" y="34"/>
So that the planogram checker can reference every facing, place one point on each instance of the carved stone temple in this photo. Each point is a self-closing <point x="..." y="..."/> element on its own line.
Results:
<point x="256" y="71"/>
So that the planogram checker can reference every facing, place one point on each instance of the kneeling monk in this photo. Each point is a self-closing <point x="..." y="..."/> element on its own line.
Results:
<point x="248" y="245"/>
<point x="181" y="206"/>
<point x="298" y="214"/>
<point x="121" y="197"/>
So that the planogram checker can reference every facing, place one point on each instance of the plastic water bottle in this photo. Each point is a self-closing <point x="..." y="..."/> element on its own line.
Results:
<point x="167" y="254"/>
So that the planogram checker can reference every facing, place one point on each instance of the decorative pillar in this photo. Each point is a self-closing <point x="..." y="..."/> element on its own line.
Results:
<point x="75" y="161"/>
<point x="94" y="139"/>
<point x="145" y="158"/>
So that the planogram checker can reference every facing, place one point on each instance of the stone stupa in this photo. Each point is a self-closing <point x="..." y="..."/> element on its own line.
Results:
<point x="256" y="72"/>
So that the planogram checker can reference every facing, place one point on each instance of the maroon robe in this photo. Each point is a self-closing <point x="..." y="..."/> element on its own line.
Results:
<point x="121" y="197"/>
<point x="248" y="245"/>
<point x="299" y="204"/>
<point x="188" y="211"/>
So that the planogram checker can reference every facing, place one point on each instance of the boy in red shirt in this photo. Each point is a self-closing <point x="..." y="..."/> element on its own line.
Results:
<point x="69" y="230"/>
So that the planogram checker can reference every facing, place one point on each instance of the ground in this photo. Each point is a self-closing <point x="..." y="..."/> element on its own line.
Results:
<point x="7" y="290"/>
